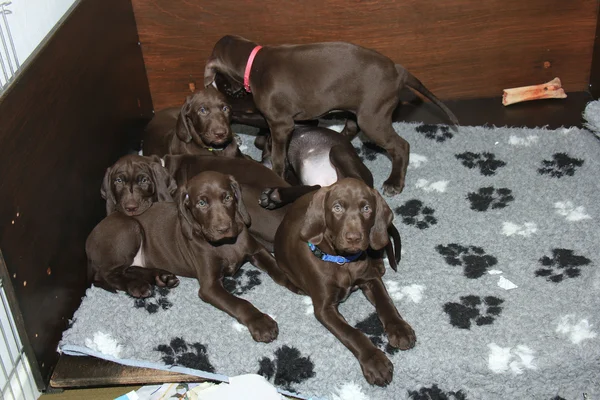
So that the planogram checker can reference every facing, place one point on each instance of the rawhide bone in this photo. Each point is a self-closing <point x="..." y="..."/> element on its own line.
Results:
<point x="548" y="90"/>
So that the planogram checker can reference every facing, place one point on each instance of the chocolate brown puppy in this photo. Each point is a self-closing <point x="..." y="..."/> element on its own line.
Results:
<point x="203" y="235"/>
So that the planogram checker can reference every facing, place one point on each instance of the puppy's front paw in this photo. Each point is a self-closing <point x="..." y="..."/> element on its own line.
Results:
<point x="377" y="368"/>
<point x="139" y="289"/>
<point x="263" y="328"/>
<point x="270" y="199"/>
<point x="391" y="189"/>
<point x="401" y="335"/>
<point x="165" y="278"/>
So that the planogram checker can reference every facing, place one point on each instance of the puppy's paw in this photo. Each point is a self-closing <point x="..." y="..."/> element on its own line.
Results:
<point x="139" y="289"/>
<point x="165" y="278"/>
<point x="377" y="368"/>
<point x="391" y="189"/>
<point x="263" y="328"/>
<point x="270" y="199"/>
<point x="401" y="335"/>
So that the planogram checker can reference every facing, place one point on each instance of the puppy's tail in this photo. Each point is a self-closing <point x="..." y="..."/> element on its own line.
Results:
<point x="394" y="253"/>
<point x="412" y="82"/>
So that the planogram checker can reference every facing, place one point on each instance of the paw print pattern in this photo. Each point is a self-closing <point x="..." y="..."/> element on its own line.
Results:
<point x="486" y="162"/>
<point x="434" y="392"/>
<point x="193" y="355"/>
<point x="156" y="301"/>
<point x="369" y="151"/>
<point x="563" y="264"/>
<point x="414" y="213"/>
<point x="482" y="311"/>
<point x="560" y="165"/>
<point x="487" y="197"/>
<point x="473" y="258"/>
<point x="242" y="282"/>
<point x="288" y="368"/>
<point x="435" y="132"/>
<point x="372" y="327"/>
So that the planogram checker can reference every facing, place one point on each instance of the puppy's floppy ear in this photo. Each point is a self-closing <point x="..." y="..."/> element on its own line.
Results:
<point x="241" y="208"/>
<point x="379" y="237"/>
<point x="183" y="128"/>
<point x="107" y="193"/>
<point x="164" y="183"/>
<point x="314" y="224"/>
<point x="189" y="226"/>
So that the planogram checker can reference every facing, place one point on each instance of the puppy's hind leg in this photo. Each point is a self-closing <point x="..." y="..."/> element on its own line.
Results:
<point x="111" y="249"/>
<point x="347" y="164"/>
<point x="281" y="131"/>
<point x="378" y="127"/>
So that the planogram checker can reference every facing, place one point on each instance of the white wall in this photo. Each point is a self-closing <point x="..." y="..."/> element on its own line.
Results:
<point x="30" y="21"/>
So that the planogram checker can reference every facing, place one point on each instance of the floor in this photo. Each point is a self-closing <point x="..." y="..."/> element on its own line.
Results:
<point x="89" y="372"/>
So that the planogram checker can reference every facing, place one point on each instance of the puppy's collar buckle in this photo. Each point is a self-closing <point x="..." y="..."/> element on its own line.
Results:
<point x="248" y="67"/>
<point x="340" y="260"/>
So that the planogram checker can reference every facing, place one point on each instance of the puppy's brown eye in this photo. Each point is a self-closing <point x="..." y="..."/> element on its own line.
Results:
<point x="228" y="198"/>
<point x="202" y="203"/>
<point x="366" y="208"/>
<point x="337" y="208"/>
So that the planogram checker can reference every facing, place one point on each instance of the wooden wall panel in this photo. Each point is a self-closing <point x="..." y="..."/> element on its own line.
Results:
<point x="66" y="118"/>
<point x="595" y="68"/>
<point x="458" y="48"/>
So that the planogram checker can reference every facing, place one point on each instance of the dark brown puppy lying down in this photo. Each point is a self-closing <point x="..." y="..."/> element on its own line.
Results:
<point x="203" y="235"/>
<point x="201" y="126"/>
<point x="326" y="247"/>
<point x="134" y="182"/>
<point x="305" y="81"/>
<point x="252" y="177"/>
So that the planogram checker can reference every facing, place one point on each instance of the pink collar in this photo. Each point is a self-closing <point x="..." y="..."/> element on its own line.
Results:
<point x="248" y="67"/>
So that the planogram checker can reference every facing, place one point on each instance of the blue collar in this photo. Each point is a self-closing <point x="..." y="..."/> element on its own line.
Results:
<point x="341" y="260"/>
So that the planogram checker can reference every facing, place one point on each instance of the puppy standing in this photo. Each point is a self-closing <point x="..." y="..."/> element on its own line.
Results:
<point x="203" y="236"/>
<point x="302" y="82"/>
<point x="201" y="126"/>
<point x="325" y="246"/>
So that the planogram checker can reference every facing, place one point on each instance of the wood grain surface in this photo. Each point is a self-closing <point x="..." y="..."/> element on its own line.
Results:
<point x="459" y="48"/>
<point x="95" y="372"/>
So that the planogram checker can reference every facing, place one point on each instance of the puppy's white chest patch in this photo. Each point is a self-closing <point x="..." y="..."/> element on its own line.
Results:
<point x="316" y="169"/>
<point x="139" y="260"/>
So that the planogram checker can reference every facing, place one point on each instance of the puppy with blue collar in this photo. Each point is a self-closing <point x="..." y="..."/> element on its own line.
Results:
<point x="328" y="245"/>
